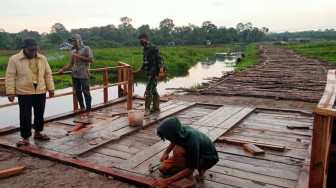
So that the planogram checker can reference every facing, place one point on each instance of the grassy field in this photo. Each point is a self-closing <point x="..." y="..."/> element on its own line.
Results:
<point x="324" y="50"/>
<point x="250" y="57"/>
<point x="178" y="60"/>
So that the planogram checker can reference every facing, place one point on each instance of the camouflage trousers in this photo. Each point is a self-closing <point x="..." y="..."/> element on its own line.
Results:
<point x="151" y="86"/>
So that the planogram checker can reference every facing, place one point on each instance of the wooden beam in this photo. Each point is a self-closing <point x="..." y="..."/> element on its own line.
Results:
<point x="320" y="150"/>
<point x="275" y="147"/>
<point x="130" y="91"/>
<point x="105" y="83"/>
<point x="12" y="171"/>
<point x="253" y="149"/>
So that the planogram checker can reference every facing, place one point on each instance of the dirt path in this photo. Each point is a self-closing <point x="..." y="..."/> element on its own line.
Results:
<point x="280" y="74"/>
<point x="42" y="173"/>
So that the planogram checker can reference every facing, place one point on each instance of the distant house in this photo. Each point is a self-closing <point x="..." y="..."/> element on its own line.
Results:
<point x="65" y="46"/>
<point x="300" y="39"/>
<point x="171" y="43"/>
<point x="280" y="43"/>
<point x="207" y="42"/>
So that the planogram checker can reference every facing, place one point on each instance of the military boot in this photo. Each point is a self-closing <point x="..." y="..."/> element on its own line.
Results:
<point x="156" y="103"/>
<point x="148" y="101"/>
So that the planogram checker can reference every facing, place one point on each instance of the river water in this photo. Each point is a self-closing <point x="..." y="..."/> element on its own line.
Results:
<point x="213" y="67"/>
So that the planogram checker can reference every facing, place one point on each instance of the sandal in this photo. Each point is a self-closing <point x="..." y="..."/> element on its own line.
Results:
<point x="22" y="143"/>
<point x="41" y="137"/>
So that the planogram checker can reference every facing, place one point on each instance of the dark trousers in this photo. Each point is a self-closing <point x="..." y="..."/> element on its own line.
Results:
<point x="83" y="85"/>
<point x="26" y="102"/>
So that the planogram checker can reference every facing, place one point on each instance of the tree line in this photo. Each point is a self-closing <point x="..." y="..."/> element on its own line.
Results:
<point x="327" y="34"/>
<point x="125" y="35"/>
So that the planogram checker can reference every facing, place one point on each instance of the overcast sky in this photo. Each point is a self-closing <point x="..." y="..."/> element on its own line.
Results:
<point x="277" y="15"/>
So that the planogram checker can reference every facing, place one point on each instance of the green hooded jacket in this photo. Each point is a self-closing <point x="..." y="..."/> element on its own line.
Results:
<point x="197" y="144"/>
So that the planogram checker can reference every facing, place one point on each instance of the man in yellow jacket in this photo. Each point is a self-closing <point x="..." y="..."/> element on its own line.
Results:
<point x="29" y="77"/>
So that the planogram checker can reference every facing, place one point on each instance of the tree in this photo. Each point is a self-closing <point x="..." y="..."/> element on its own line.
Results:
<point x="144" y="29"/>
<point x="30" y="34"/>
<point x="126" y="22"/>
<point x="167" y="25"/>
<point x="208" y="27"/>
<point x="60" y="30"/>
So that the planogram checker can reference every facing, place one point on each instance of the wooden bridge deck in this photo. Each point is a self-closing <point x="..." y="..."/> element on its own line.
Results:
<point x="286" y="135"/>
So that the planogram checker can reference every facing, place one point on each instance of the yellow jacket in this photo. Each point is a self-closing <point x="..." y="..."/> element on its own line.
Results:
<point x="19" y="80"/>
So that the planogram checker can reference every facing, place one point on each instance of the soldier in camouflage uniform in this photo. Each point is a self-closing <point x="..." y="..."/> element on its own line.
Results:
<point x="154" y="67"/>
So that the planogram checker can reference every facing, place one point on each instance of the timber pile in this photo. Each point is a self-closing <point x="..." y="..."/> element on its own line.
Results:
<point x="280" y="74"/>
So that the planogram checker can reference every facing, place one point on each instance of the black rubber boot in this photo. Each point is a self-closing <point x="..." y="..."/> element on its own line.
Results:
<point x="148" y="101"/>
<point x="156" y="103"/>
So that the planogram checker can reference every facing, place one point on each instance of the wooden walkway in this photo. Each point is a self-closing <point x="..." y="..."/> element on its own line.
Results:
<point x="109" y="145"/>
<point x="280" y="74"/>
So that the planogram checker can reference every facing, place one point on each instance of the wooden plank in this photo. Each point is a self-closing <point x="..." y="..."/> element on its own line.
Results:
<point x="269" y="155"/>
<point x="258" y="161"/>
<point x="297" y="155"/>
<point x="281" y="135"/>
<point x="328" y="98"/>
<point x="217" y="117"/>
<point x="287" y="174"/>
<point x="263" y="125"/>
<point x="76" y="130"/>
<point x="275" y="147"/>
<point x="304" y="177"/>
<point x="114" y="153"/>
<point x="9" y="129"/>
<point x="290" y="143"/>
<point x="100" y="159"/>
<point x="11" y="171"/>
<point x="76" y="127"/>
<point x="254" y="177"/>
<point x="143" y="156"/>
<point x="124" y="148"/>
<point x="253" y="149"/>
<point x="237" y="117"/>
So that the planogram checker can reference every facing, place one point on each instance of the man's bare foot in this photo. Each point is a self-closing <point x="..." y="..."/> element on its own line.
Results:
<point x="201" y="175"/>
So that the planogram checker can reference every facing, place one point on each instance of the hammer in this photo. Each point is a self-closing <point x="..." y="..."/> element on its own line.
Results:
<point x="151" y="167"/>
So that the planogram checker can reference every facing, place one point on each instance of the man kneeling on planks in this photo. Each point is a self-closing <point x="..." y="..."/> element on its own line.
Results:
<point x="191" y="150"/>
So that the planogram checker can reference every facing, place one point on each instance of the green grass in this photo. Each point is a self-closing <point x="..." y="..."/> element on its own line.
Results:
<point x="178" y="60"/>
<point x="197" y="86"/>
<point x="250" y="58"/>
<point x="324" y="50"/>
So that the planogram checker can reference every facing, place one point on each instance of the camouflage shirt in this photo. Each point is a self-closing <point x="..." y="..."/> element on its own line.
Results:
<point x="152" y="60"/>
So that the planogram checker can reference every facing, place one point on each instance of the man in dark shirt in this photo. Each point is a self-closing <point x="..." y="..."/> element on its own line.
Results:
<point x="154" y="67"/>
<point x="191" y="150"/>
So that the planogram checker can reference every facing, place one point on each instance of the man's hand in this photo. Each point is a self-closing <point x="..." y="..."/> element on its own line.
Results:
<point x="161" y="74"/>
<point x="60" y="71"/>
<point x="11" y="98"/>
<point x="165" y="156"/>
<point x="76" y="56"/>
<point x="160" y="182"/>
<point x="135" y="71"/>
<point x="51" y="93"/>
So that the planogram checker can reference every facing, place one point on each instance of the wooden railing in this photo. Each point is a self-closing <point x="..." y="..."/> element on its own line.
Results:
<point x="322" y="131"/>
<point x="125" y="85"/>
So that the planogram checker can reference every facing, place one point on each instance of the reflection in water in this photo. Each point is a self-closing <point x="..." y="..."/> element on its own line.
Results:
<point x="211" y="67"/>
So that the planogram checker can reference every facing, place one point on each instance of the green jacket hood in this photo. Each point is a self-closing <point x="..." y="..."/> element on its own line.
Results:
<point x="172" y="130"/>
